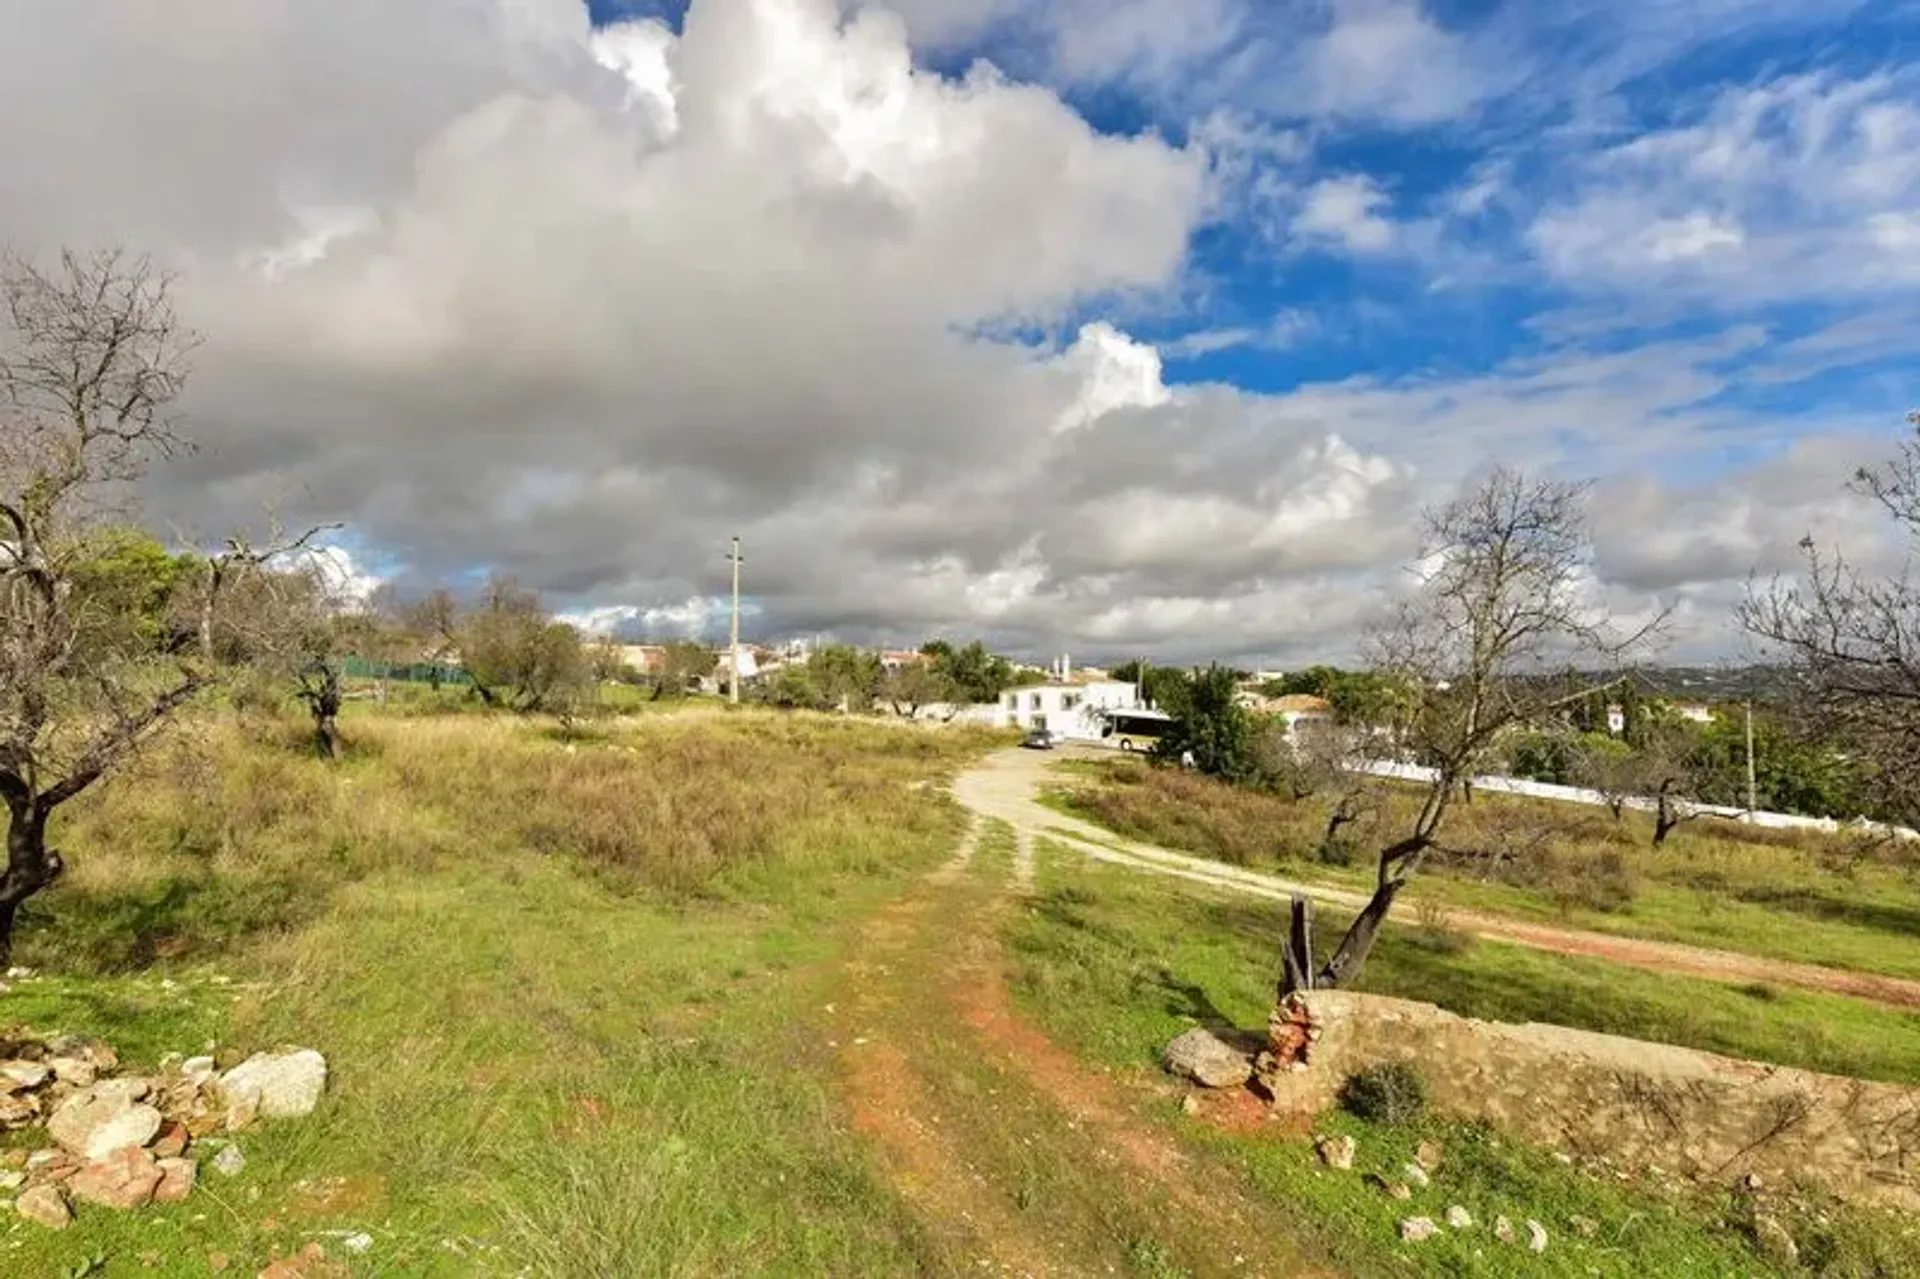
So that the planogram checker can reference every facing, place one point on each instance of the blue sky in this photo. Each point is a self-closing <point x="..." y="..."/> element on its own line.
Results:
<point x="1544" y="93"/>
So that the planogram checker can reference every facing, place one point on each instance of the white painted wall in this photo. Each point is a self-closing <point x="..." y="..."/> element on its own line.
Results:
<point x="1581" y="795"/>
<point x="1073" y="712"/>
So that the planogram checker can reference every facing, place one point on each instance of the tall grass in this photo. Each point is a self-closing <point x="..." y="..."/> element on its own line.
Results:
<point x="234" y="829"/>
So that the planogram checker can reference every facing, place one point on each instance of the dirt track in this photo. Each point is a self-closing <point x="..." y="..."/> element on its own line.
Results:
<point x="1006" y="785"/>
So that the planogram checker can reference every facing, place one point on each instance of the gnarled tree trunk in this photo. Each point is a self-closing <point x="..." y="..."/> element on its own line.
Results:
<point x="31" y="865"/>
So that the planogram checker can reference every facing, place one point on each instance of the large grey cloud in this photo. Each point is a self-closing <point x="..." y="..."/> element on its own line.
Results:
<point x="501" y="291"/>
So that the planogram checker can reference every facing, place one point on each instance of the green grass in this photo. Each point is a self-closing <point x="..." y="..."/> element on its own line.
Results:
<point x="1114" y="964"/>
<point x="1230" y="957"/>
<point x="1796" y="896"/>
<point x="568" y="995"/>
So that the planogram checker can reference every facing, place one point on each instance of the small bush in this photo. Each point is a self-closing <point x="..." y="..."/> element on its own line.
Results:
<point x="1391" y="1094"/>
<point x="1337" y="851"/>
<point x="1437" y="933"/>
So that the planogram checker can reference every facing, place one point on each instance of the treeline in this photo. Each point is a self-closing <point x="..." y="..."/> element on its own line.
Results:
<point x="841" y="677"/>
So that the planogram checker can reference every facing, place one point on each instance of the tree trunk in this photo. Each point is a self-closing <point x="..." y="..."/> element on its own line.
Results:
<point x="1344" y="968"/>
<point x="1297" y="961"/>
<point x="326" y="735"/>
<point x="31" y="866"/>
<point x="1664" y="819"/>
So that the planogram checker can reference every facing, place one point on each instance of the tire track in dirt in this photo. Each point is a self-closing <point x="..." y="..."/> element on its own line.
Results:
<point x="1004" y="788"/>
<point x="939" y="946"/>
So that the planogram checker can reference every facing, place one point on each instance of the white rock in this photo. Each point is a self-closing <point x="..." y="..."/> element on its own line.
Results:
<point x="95" y="1122"/>
<point x="1201" y="1056"/>
<point x="1459" y="1218"/>
<point x="16" y="1076"/>
<point x="229" y="1162"/>
<point x="12" y="1179"/>
<point x="199" y="1069"/>
<point x="1536" y="1236"/>
<point x="1414" y="1173"/>
<point x="289" y="1083"/>
<point x="1503" y="1229"/>
<point x="359" y="1241"/>
<point x="1418" y="1229"/>
<point x="1338" y="1151"/>
<point x="77" y="1071"/>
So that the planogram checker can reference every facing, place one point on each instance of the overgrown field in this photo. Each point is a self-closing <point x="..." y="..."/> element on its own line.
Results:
<point x="1113" y="964"/>
<point x="1822" y="899"/>
<point x="563" y="985"/>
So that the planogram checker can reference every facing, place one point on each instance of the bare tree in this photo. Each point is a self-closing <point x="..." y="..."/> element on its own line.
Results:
<point x="91" y="360"/>
<point x="1503" y="601"/>
<point x="1853" y="643"/>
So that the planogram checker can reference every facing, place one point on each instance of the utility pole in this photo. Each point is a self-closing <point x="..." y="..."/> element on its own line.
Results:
<point x="733" y="634"/>
<point x="1753" y="790"/>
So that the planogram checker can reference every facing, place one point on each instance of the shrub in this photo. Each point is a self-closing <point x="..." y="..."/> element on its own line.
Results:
<point x="1390" y="1094"/>
<point x="1437" y="933"/>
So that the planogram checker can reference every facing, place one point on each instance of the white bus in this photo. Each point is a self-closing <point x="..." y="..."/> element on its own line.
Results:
<point x="1135" y="730"/>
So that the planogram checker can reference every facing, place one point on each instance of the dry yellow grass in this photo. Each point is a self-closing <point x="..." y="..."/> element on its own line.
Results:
<point x="234" y="829"/>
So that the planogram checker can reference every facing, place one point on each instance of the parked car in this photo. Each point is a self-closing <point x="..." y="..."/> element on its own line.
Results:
<point x="1039" y="739"/>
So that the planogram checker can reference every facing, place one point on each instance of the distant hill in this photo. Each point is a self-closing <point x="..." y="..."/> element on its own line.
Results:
<point x="1717" y="683"/>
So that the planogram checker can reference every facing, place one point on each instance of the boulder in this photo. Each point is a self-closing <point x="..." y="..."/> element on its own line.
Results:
<point x="200" y="1070"/>
<point x="176" y="1180"/>
<point x="1536" y="1236"/>
<point x="1337" y="1152"/>
<point x="288" y="1084"/>
<point x="241" y="1102"/>
<point x="45" y="1206"/>
<point x="1429" y="1154"/>
<point x="97" y="1121"/>
<point x="1200" y="1056"/>
<point x="126" y="1179"/>
<point x="1458" y="1218"/>
<point x="1418" y="1229"/>
<point x="1503" y="1230"/>
<point x="78" y="1071"/>
<point x="1416" y="1174"/>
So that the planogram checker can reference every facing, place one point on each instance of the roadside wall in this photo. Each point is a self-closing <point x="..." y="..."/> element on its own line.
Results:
<point x="1637" y="1103"/>
<point x="1582" y="795"/>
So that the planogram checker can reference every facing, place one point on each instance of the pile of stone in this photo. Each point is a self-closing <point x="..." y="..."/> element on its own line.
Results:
<point x="122" y="1140"/>
<point x="1211" y="1062"/>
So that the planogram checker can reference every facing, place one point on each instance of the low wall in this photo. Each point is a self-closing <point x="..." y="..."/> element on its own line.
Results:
<point x="1637" y="1103"/>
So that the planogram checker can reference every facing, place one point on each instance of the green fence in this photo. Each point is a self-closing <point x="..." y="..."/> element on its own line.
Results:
<point x="406" y="672"/>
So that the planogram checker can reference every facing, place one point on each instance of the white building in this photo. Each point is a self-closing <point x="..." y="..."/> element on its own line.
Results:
<point x="1073" y="712"/>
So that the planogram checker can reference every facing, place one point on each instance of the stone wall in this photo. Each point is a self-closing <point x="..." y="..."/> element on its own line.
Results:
<point x="1640" y="1103"/>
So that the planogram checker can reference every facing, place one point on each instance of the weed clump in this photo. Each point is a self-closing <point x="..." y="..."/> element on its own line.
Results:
<point x="1391" y="1095"/>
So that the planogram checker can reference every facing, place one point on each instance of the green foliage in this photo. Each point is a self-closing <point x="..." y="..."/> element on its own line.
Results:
<point x="1210" y="722"/>
<point x="974" y="674"/>
<point x="684" y="665"/>
<point x="843" y="675"/>
<point x="1562" y="758"/>
<point x="791" y="688"/>
<point x="124" y="583"/>
<point x="1391" y="1094"/>
<point x="516" y="654"/>
<point x="1357" y="697"/>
